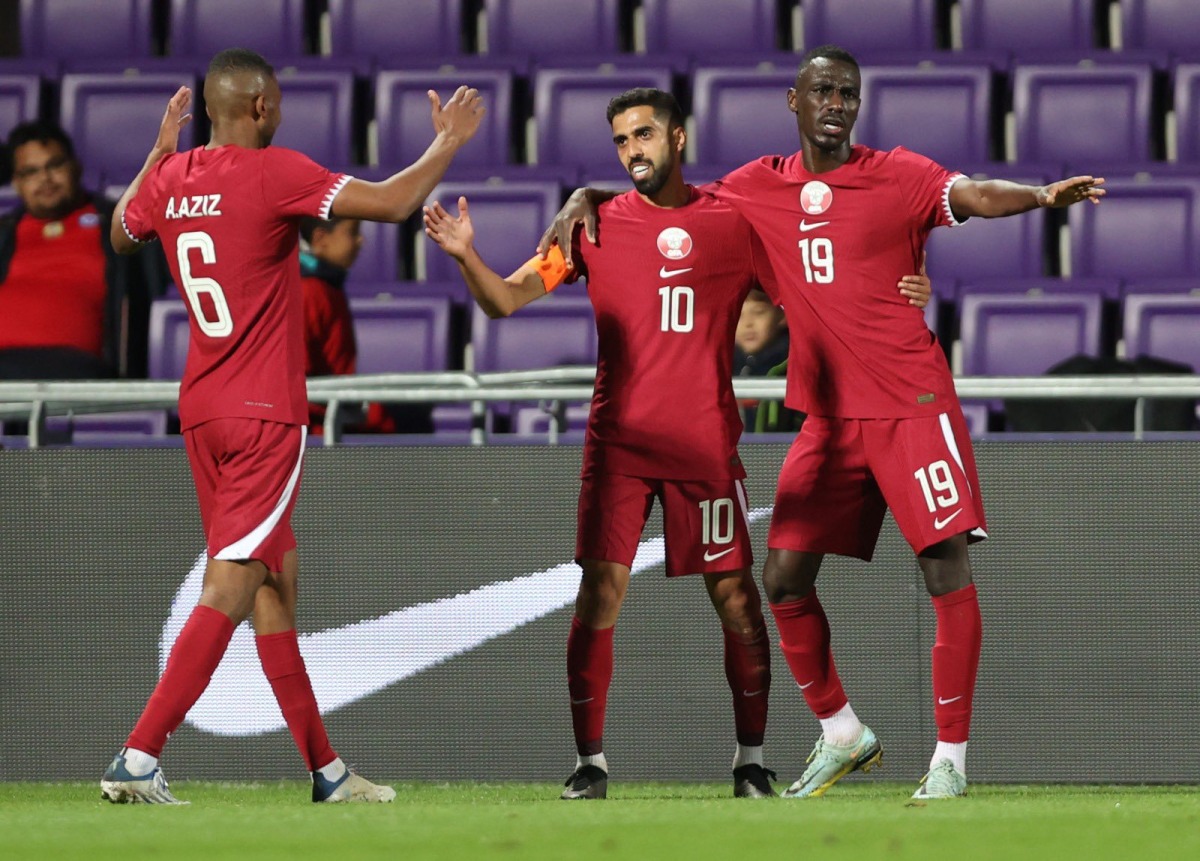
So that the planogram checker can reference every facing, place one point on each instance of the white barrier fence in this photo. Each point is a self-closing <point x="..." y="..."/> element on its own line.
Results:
<point x="34" y="401"/>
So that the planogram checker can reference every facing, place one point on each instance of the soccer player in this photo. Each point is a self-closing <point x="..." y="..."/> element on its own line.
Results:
<point x="884" y="428"/>
<point x="667" y="286"/>
<point x="227" y="214"/>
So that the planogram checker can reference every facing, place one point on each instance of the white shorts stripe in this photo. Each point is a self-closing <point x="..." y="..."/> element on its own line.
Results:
<point x="243" y="548"/>
<point x="743" y="503"/>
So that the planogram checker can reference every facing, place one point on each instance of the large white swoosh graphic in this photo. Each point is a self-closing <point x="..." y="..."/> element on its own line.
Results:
<point x="354" y="661"/>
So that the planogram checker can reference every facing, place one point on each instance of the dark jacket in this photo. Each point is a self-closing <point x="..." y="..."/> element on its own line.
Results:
<point x="770" y="361"/>
<point x="133" y="281"/>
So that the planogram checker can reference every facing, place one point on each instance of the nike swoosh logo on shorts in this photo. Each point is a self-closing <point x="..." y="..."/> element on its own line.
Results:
<point x="941" y="524"/>
<point x="494" y="609"/>
<point x="581" y="702"/>
<point x="942" y="702"/>
<point x="669" y="273"/>
<point x="809" y="685"/>
<point x="805" y="226"/>
<point x="747" y="693"/>
<point x="712" y="557"/>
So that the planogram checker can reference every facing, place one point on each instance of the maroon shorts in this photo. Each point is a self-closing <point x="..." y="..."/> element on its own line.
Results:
<point x="705" y="530"/>
<point x="840" y="475"/>
<point x="247" y="475"/>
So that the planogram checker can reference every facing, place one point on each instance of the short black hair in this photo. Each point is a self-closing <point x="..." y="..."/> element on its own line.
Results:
<point x="663" y="103"/>
<point x="38" y="131"/>
<point x="234" y="60"/>
<point x="826" y="52"/>
<point x="310" y="224"/>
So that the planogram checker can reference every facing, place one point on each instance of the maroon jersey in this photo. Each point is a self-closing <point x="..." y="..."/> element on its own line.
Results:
<point x="839" y="242"/>
<point x="667" y="286"/>
<point x="227" y="218"/>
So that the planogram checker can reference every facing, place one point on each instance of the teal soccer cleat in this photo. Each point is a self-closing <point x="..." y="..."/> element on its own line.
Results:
<point x="829" y="763"/>
<point x="942" y="781"/>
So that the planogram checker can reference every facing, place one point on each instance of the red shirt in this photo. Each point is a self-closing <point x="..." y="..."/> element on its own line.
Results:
<point x="227" y="218"/>
<point x="328" y="329"/>
<point x="667" y="286"/>
<point x="55" y="290"/>
<point x="839" y="242"/>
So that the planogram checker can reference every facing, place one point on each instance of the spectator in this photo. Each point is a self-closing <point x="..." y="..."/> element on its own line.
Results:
<point x="330" y="348"/>
<point x="761" y="350"/>
<point x="69" y="306"/>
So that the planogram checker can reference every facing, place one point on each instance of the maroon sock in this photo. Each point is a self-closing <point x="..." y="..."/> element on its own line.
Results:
<point x="955" y="661"/>
<point x="804" y="641"/>
<point x="281" y="661"/>
<point x="589" y="673"/>
<point x="748" y="670"/>
<point x="190" y="666"/>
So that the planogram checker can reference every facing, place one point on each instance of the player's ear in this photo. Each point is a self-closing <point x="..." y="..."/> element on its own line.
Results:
<point x="792" y="100"/>
<point x="260" y="106"/>
<point x="679" y="137"/>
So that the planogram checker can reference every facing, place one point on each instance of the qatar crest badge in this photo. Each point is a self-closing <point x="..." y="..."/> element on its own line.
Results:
<point x="675" y="243"/>
<point x="816" y="197"/>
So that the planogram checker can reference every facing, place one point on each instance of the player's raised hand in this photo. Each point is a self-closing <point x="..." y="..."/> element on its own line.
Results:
<point x="453" y="235"/>
<point x="460" y="117"/>
<point x="173" y="121"/>
<point x="579" y="209"/>
<point x="1066" y="192"/>
<point x="917" y="288"/>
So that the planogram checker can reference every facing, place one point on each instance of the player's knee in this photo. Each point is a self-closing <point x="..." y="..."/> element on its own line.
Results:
<point x="787" y="576"/>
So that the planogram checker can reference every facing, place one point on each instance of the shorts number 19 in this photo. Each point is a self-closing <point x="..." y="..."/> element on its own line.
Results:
<point x="937" y="478"/>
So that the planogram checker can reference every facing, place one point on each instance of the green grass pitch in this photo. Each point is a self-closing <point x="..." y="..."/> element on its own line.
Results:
<point x="860" y="820"/>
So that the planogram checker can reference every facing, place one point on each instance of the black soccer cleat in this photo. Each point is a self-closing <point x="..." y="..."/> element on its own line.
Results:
<point x="587" y="781"/>
<point x="753" y="781"/>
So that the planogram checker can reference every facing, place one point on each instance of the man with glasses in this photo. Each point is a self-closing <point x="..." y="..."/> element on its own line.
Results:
<point x="67" y="301"/>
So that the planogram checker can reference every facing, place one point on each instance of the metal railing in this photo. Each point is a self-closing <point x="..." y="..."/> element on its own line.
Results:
<point x="35" y="401"/>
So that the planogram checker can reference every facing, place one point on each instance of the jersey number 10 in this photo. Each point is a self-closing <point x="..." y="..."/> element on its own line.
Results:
<point x="194" y="287"/>
<point x="678" y="308"/>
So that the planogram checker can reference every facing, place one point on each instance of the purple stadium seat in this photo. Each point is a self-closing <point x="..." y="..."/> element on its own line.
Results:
<point x="976" y="415"/>
<point x="1163" y="326"/>
<point x="19" y="100"/>
<point x="1027" y="24"/>
<point x="1082" y="114"/>
<point x="402" y="115"/>
<point x="1143" y="229"/>
<point x="455" y="291"/>
<point x="1174" y="286"/>
<point x="320" y="107"/>
<point x="987" y="247"/>
<point x="542" y="28"/>
<point x="9" y="199"/>
<point x="145" y="422"/>
<point x="509" y="219"/>
<point x="76" y="28"/>
<point x="1172" y="25"/>
<point x="535" y="421"/>
<point x="388" y="31"/>
<point x="379" y="259"/>
<point x="708" y="28"/>
<point x="569" y="108"/>
<point x="1026" y="335"/>
<point x="863" y="25"/>
<point x="932" y="313"/>
<point x="557" y="330"/>
<point x="201" y="28"/>
<point x="726" y="102"/>
<point x="1187" y="112"/>
<point x="402" y="334"/>
<point x="944" y="113"/>
<point x="1107" y="288"/>
<point x="114" y="118"/>
<point x="169" y="337"/>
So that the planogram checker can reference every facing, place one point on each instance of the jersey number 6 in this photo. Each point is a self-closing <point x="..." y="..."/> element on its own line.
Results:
<point x="194" y="287"/>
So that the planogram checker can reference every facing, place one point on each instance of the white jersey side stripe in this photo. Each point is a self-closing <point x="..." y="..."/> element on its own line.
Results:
<point x="243" y="548"/>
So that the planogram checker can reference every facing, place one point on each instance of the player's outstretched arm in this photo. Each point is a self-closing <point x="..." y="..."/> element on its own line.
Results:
<point x="174" y="119"/>
<point x="498" y="297"/>
<point x="995" y="198"/>
<point x="396" y="198"/>
<point x="581" y="208"/>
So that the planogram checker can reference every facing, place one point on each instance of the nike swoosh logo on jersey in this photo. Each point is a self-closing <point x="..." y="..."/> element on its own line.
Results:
<point x="664" y="272"/>
<point x="941" y="524"/>
<point x="805" y="226"/>
<point x="493" y="609"/>
<point x="942" y="702"/>
<point x="710" y="557"/>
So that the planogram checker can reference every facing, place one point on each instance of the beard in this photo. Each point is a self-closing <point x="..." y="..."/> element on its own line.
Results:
<point x="653" y="183"/>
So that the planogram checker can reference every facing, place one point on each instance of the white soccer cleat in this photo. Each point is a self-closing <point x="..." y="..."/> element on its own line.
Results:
<point x="121" y="787"/>
<point x="350" y="787"/>
<point x="942" y="781"/>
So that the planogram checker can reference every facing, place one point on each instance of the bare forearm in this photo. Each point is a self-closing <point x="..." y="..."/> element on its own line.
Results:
<point x="993" y="198"/>
<point x="495" y="295"/>
<point x="397" y="197"/>
<point x="121" y="242"/>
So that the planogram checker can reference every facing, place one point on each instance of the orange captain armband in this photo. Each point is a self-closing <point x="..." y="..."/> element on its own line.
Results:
<point x="553" y="270"/>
